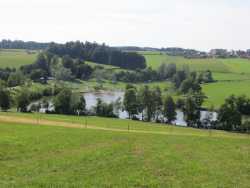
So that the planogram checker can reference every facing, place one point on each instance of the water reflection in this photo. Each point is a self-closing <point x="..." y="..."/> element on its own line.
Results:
<point x="109" y="97"/>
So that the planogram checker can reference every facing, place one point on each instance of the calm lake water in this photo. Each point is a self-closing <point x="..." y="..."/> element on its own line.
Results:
<point x="109" y="97"/>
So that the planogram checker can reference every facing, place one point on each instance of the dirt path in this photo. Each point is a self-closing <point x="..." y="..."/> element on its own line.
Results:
<point x="33" y="121"/>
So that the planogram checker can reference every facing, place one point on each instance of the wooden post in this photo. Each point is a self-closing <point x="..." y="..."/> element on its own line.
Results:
<point x="86" y="126"/>
<point x="37" y="118"/>
<point x="210" y="131"/>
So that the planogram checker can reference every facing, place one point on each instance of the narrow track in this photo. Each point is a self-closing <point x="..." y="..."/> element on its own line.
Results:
<point x="35" y="122"/>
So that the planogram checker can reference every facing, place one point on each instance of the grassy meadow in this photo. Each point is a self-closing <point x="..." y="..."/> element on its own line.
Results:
<point x="232" y="75"/>
<point x="106" y="154"/>
<point x="15" y="58"/>
<point x="228" y="65"/>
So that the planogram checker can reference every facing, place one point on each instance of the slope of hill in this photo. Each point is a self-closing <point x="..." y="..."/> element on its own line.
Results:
<point x="232" y="74"/>
<point x="107" y="154"/>
<point x="16" y="58"/>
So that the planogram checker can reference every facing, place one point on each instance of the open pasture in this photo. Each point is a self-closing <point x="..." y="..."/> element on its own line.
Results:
<point x="16" y="58"/>
<point x="33" y="155"/>
<point x="229" y="65"/>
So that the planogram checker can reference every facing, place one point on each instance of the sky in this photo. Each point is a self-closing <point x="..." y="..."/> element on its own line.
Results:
<point x="196" y="24"/>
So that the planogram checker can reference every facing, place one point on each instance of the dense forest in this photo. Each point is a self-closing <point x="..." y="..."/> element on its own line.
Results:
<point x="19" y="44"/>
<point x="101" y="54"/>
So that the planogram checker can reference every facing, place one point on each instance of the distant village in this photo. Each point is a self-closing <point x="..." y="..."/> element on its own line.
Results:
<point x="214" y="53"/>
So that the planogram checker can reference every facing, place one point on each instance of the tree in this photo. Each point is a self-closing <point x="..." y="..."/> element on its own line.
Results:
<point x="5" y="99"/>
<point x="140" y="102"/>
<point x="157" y="97"/>
<point x="15" y="79"/>
<point x="186" y="85"/>
<point x="45" y="104"/>
<point x="245" y="127"/>
<point x="205" y="77"/>
<point x="199" y="98"/>
<point x="148" y="101"/>
<point x="229" y="117"/>
<point x="23" y="100"/>
<point x="61" y="73"/>
<point x="42" y="63"/>
<point x="179" y="77"/>
<point x="67" y="62"/>
<point x="37" y="74"/>
<point x="130" y="101"/>
<point x="35" y="107"/>
<point x="103" y="109"/>
<point x="62" y="102"/>
<point x="192" y="112"/>
<point x="169" y="109"/>
<point x="78" y="104"/>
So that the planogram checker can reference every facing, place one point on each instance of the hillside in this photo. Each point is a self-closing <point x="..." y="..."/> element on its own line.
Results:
<point x="106" y="154"/>
<point x="232" y="75"/>
<point x="16" y="58"/>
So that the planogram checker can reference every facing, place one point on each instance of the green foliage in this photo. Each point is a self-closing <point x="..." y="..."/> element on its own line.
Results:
<point x="62" y="102"/>
<point x="37" y="74"/>
<point x="101" y="54"/>
<point x="229" y="117"/>
<point x="16" y="79"/>
<point x="35" y="107"/>
<point x="167" y="71"/>
<point x="78" y="104"/>
<point x="5" y="98"/>
<point x="192" y="112"/>
<point x="169" y="109"/>
<point x="130" y="101"/>
<point x="103" y="109"/>
<point x="62" y="73"/>
<point x="23" y="100"/>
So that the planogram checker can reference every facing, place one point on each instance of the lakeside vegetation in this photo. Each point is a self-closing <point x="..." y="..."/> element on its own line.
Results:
<point x="62" y="69"/>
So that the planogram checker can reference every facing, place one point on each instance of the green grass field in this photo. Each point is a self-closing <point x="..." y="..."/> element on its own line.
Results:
<point x="229" y="65"/>
<point x="218" y="92"/>
<point x="15" y="58"/>
<point x="155" y="156"/>
<point x="232" y="74"/>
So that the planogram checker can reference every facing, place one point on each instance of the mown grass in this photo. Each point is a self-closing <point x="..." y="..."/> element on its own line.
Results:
<point x="228" y="65"/>
<point x="218" y="92"/>
<point x="15" y="58"/>
<point x="47" y="156"/>
<point x="232" y="74"/>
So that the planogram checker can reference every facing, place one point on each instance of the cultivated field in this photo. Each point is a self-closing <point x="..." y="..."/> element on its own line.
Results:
<point x="106" y="154"/>
<point x="16" y="58"/>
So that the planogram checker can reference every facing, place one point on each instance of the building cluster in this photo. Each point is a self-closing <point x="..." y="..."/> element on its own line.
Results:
<point x="223" y="53"/>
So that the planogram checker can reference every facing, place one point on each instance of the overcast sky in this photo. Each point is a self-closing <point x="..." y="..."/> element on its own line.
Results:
<point x="199" y="24"/>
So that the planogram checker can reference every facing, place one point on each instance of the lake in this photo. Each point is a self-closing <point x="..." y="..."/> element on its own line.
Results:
<point x="112" y="96"/>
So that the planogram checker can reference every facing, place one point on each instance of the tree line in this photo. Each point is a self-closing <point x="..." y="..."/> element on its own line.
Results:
<point x="146" y="104"/>
<point x="65" y="68"/>
<point x="183" y="80"/>
<point x="151" y="105"/>
<point x="19" y="44"/>
<point x="101" y="54"/>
